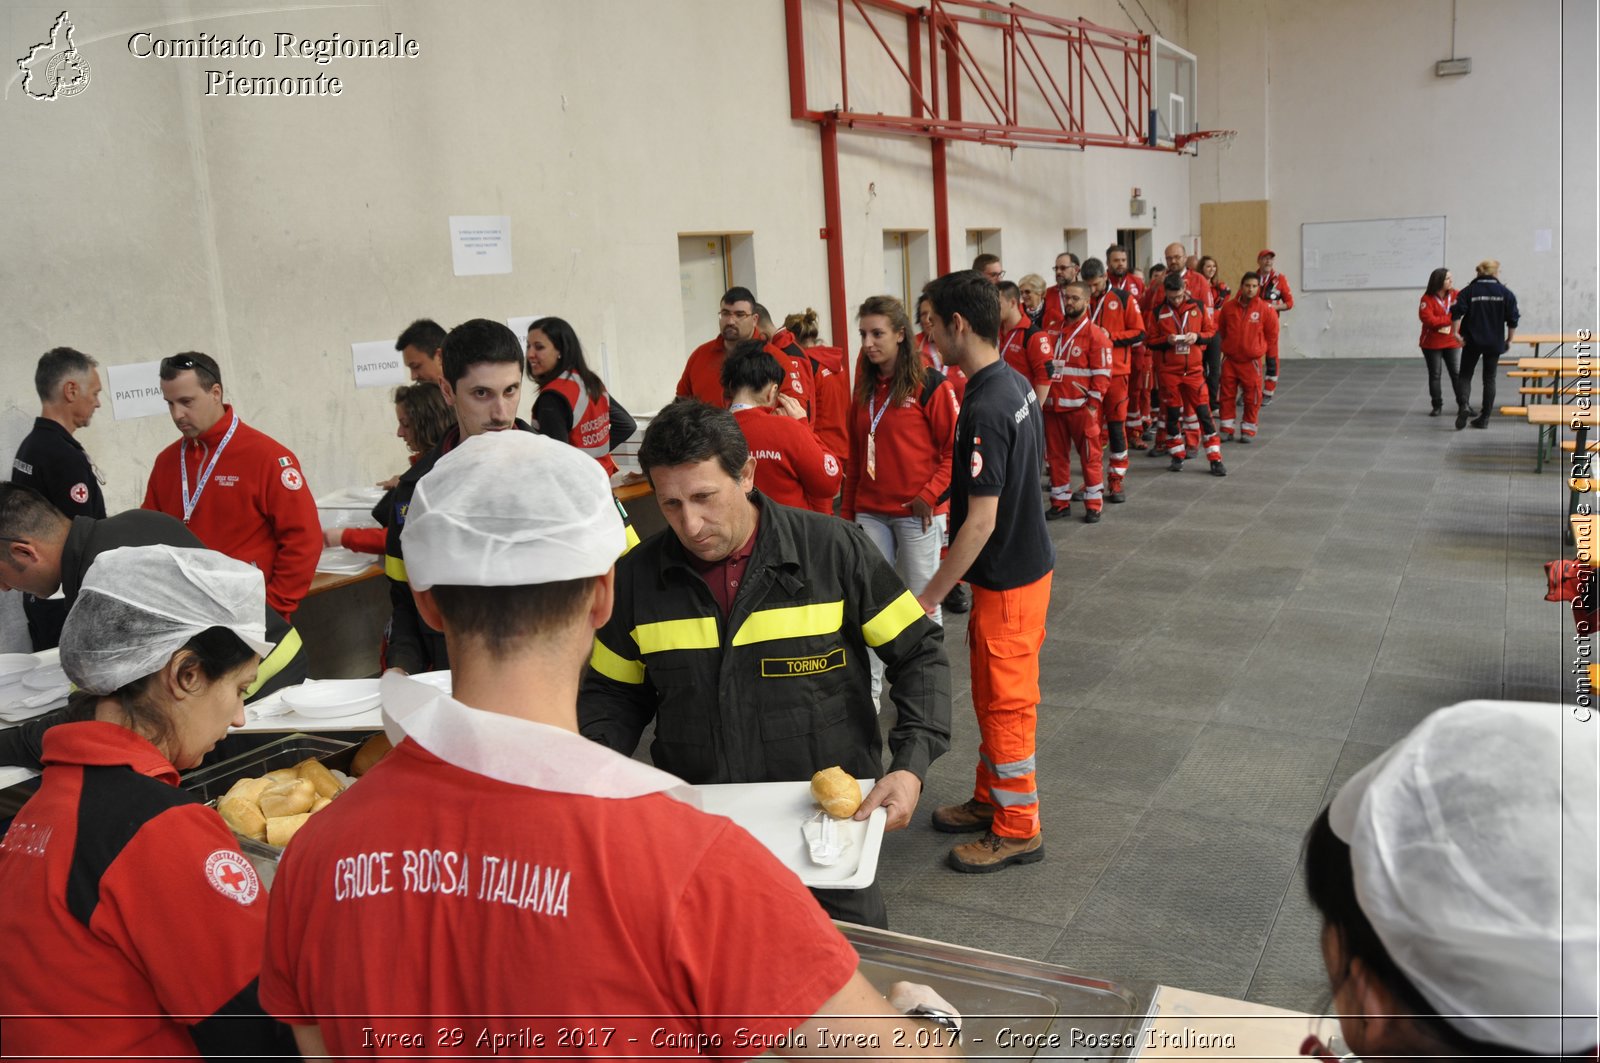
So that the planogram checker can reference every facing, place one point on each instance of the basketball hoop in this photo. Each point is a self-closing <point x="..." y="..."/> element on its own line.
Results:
<point x="1190" y="142"/>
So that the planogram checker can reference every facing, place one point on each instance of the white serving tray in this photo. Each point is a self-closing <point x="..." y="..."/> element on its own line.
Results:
<point x="773" y="812"/>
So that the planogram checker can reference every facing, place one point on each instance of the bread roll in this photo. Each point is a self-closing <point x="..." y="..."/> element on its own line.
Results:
<point x="281" y="828"/>
<point x="243" y="817"/>
<point x="288" y="799"/>
<point x="317" y="774"/>
<point x="837" y="791"/>
<point x="321" y="803"/>
<point x="249" y="789"/>
<point x="372" y="750"/>
<point x="283" y="775"/>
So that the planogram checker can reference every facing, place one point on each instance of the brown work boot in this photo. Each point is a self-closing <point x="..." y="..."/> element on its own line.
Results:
<point x="992" y="852"/>
<point x="964" y="818"/>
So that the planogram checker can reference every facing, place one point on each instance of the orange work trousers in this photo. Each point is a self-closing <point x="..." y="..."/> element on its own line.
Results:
<point x="1004" y="634"/>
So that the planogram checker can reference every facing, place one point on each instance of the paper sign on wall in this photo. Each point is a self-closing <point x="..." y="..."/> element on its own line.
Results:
<point x="519" y="325"/>
<point x="136" y="390"/>
<point x="480" y="243"/>
<point x="378" y="364"/>
<point x="1542" y="240"/>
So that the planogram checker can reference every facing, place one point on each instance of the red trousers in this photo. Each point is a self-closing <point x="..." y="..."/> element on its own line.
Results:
<point x="1184" y="394"/>
<point x="1140" y="384"/>
<point x="1064" y="432"/>
<point x="1004" y="633"/>
<point x="1114" y="430"/>
<point x="1241" y="374"/>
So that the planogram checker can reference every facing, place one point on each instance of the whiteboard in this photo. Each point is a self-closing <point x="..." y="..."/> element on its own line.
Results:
<point x="1381" y="253"/>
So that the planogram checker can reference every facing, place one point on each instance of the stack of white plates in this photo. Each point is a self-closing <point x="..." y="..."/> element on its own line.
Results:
<point x="342" y="562"/>
<point x="29" y="688"/>
<point x="331" y="699"/>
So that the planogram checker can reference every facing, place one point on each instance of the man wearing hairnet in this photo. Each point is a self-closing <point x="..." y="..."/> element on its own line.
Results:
<point x="42" y="551"/>
<point x="587" y="883"/>
<point x="1456" y="876"/>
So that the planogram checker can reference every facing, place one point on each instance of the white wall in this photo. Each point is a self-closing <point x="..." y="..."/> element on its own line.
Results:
<point x="1355" y="125"/>
<point x="144" y="218"/>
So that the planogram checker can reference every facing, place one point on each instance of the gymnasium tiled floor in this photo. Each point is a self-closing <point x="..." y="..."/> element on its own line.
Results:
<point x="1223" y="654"/>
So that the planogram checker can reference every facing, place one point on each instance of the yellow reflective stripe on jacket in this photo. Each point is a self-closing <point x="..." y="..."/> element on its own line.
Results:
<point x="696" y="633"/>
<point x="394" y="568"/>
<point x="790" y="622"/>
<point x="893" y="619"/>
<point x="630" y="539"/>
<point x="614" y="666"/>
<point x="273" y="663"/>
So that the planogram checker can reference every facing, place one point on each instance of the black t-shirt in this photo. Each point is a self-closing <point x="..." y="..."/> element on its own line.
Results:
<point x="999" y="451"/>
<point x="54" y="464"/>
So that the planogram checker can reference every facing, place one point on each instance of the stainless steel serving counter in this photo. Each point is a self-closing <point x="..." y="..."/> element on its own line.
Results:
<point x="1013" y="1008"/>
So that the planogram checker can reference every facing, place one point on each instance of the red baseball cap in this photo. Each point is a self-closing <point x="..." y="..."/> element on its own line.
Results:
<point x="1265" y="252"/>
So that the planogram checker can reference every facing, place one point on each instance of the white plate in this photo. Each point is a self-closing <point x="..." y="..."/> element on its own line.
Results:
<point x="13" y="666"/>
<point x="774" y="811"/>
<point x="48" y="677"/>
<point x="36" y="703"/>
<point x="332" y="698"/>
<point x="338" y="560"/>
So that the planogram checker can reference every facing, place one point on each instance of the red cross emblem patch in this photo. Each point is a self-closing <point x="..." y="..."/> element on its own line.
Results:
<point x="231" y="875"/>
<point x="79" y="493"/>
<point x="292" y="479"/>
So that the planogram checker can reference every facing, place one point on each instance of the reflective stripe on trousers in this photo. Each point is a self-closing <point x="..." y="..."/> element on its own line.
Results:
<point x="1004" y="634"/>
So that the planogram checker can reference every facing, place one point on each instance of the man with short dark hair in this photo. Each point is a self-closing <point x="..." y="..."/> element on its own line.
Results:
<point x="989" y="266"/>
<point x="241" y="491"/>
<point x="1118" y="313"/>
<point x="52" y="462"/>
<point x="1023" y="347"/>
<point x="419" y="346"/>
<point x="482" y="364"/>
<point x="1248" y="328"/>
<point x="1055" y="310"/>
<point x="999" y="545"/>
<point x="742" y="631"/>
<point x="1178" y="329"/>
<point x="737" y="321"/>
<point x="592" y="881"/>
<point x="46" y="551"/>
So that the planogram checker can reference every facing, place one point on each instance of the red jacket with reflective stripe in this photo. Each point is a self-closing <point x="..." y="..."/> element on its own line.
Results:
<point x="1275" y="286"/>
<point x="1167" y="322"/>
<point x="1249" y="331"/>
<point x="591" y="418"/>
<point x="1083" y="354"/>
<point x="1119" y="315"/>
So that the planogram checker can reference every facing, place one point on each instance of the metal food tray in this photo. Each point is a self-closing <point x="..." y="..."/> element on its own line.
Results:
<point x="211" y="783"/>
<point x="1014" y="1008"/>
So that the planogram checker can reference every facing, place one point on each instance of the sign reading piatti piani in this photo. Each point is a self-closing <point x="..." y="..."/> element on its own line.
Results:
<point x="319" y="51"/>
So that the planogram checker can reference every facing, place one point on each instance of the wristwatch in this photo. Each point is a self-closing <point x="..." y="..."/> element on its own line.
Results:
<point x="938" y="1016"/>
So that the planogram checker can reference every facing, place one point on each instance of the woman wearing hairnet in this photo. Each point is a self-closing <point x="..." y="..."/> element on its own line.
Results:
<point x="134" y="925"/>
<point x="1456" y="880"/>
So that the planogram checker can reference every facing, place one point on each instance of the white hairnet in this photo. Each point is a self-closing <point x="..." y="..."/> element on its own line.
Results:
<point x="508" y="509"/>
<point x="140" y="604"/>
<point x="1473" y="845"/>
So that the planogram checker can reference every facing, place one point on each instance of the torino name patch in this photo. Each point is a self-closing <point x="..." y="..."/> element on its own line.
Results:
<point x="784" y="667"/>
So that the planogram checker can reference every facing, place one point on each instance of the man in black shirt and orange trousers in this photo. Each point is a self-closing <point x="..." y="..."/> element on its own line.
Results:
<point x="999" y="545"/>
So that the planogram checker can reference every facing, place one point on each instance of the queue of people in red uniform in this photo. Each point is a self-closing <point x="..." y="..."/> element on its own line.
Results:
<point x="1118" y="363"/>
